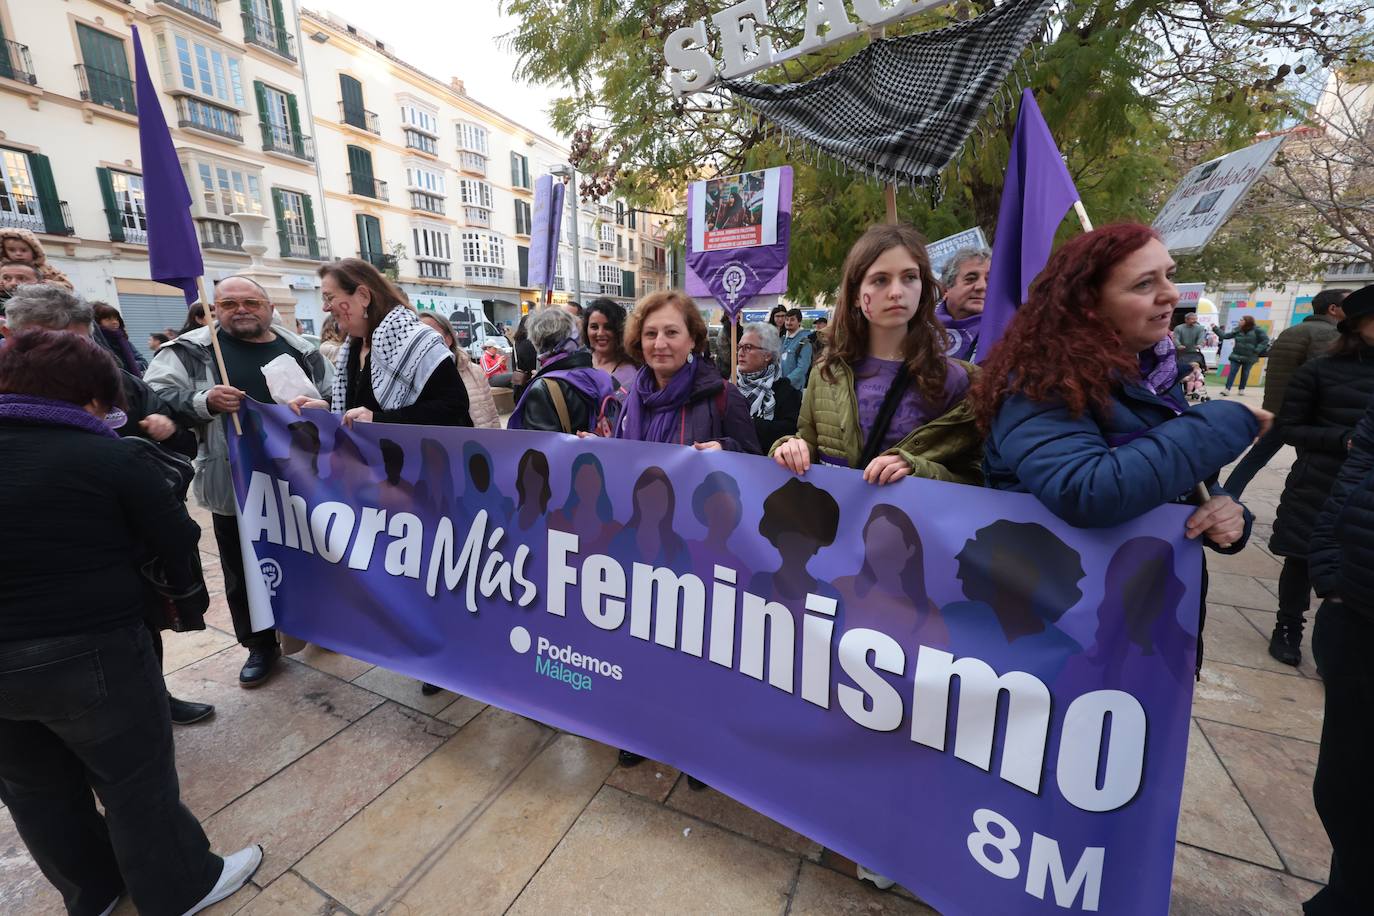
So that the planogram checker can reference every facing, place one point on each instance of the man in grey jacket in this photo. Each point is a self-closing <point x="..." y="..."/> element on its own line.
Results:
<point x="184" y="373"/>
<point x="1308" y="339"/>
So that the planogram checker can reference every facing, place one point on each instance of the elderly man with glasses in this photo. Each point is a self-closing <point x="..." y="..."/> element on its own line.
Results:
<point x="185" y="374"/>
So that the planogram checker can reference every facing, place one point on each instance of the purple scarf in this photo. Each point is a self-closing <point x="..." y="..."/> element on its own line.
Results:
<point x="28" y="410"/>
<point x="650" y="412"/>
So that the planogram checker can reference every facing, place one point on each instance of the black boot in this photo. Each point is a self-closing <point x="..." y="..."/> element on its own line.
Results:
<point x="185" y="712"/>
<point x="259" y="666"/>
<point x="628" y="759"/>
<point x="1284" y="644"/>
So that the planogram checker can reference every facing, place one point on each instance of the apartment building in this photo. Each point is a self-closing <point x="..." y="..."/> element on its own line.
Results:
<point x="232" y="91"/>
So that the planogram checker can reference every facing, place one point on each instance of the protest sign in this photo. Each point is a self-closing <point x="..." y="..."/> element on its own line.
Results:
<point x="1209" y="193"/>
<point x="941" y="250"/>
<point x="739" y="229"/>
<point x="944" y="683"/>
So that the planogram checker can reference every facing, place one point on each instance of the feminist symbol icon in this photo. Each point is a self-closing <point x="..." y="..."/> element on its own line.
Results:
<point x="732" y="279"/>
<point x="271" y="575"/>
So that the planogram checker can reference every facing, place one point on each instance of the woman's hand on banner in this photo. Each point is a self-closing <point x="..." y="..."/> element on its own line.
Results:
<point x="357" y="415"/>
<point x="706" y="446"/>
<point x="795" y="455"/>
<point x="886" y="469"/>
<point x="224" y="399"/>
<point x="158" y="427"/>
<point x="1265" y="418"/>
<point x="1221" y="520"/>
<point x="306" y="400"/>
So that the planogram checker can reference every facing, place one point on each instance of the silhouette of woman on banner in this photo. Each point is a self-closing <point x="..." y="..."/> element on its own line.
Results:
<point x="391" y="493"/>
<point x="481" y="492"/>
<point x="532" y="488"/>
<point x="302" y="462"/>
<point x="349" y="473"/>
<point x="716" y="504"/>
<point x="888" y="593"/>
<point x="1019" y="579"/>
<point x="649" y="537"/>
<point x="799" y="519"/>
<point x="587" y="512"/>
<point x="434" y="489"/>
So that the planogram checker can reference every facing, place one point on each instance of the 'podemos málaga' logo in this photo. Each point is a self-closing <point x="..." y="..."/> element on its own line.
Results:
<point x="563" y="663"/>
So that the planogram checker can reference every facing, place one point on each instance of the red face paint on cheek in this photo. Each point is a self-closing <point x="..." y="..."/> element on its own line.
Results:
<point x="868" y="301"/>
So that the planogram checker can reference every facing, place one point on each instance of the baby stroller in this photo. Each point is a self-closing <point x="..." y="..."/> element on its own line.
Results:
<point x="1193" y="375"/>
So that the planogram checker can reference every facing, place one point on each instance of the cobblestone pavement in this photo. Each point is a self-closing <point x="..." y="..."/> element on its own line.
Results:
<point x="371" y="798"/>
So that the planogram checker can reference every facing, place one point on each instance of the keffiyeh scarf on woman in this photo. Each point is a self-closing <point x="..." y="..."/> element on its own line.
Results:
<point x="405" y="352"/>
<point x="757" y="388"/>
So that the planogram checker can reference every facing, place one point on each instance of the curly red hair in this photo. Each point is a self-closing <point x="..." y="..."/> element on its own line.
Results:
<point x="1058" y="347"/>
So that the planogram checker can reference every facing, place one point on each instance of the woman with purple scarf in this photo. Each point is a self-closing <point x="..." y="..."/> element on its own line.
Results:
<point x="82" y="703"/>
<point x="678" y="396"/>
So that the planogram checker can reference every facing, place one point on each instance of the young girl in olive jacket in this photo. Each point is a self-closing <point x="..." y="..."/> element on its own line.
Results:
<point x="884" y="398"/>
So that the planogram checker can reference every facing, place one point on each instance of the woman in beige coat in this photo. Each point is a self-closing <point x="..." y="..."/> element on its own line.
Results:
<point x="481" y="403"/>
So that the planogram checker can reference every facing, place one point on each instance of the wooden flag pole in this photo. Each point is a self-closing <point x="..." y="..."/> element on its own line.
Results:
<point x="1082" y="216"/>
<point x="890" y="192"/>
<point x="213" y="324"/>
<point x="733" y="329"/>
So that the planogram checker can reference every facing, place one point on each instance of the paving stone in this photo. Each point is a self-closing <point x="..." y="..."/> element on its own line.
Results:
<point x="628" y="855"/>
<point x="1213" y="815"/>
<point x="255" y="733"/>
<point x="461" y="711"/>
<point x="374" y="852"/>
<point x="330" y="662"/>
<point x="1275" y="776"/>
<point x="182" y="649"/>
<point x="1252" y="561"/>
<point x="1239" y="591"/>
<point x="23" y="889"/>
<point x="721" y="809"/>
<point x="404" y="689"/>
<point x="289" y="896"/>
<point x="217" y="615"/>
<point x="489" y="863"/>
<point x="650" y="779"/>
<point x="1277" y="703"/>
<point x="1231" y="638"/>
<point x="303" y="804"/>
<point x="1206" y="884"/>
<point x="824" y="892"/>
<point x="226" y="907"/>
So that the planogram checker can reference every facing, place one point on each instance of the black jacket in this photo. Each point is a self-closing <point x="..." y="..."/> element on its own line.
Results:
<point x="1342" y="546"/>
<point x="443" y="400"/>
<point x="539" y="412"/>
<point x="141" y="401"/>
<point x="786" y="411"/>
<point x="1324" y="401"/>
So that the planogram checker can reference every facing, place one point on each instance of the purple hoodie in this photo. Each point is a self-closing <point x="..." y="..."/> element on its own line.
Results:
<point x="963" y="332"/>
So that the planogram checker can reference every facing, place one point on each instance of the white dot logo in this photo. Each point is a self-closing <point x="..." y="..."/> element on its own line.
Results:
<point x="520" y="640"/>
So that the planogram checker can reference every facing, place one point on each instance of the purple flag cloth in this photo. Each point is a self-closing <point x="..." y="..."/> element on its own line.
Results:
<point x="549" y="195"/>
<point x="733" y="276"/>
<point x="1035" y="196"/>
<point x="173" y="248"/>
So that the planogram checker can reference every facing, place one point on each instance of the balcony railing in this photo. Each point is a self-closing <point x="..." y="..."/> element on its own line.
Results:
<point x="15" y="63"/>
<point x="367" y="186"/>
<point x="435" y="270"/>
<point x="220" y="234"/>
<point x="429" y="203"/>
<point x="265" y="34"/>
<point x="477" y="216"/>
<point x="608" y="248"/>
<point x="360" y="118"/>
<point x="204" y="10"/>
<point x="295" y="247"/>
<point x="279" y="139"/>
<point x="105" y="88"/>
<point x="21" y="212"/>
<point x="210" y="118"/>
<point x="472" y="163"/>
<point x="422" y="142"/>
<point x="379" y="260"/>
<point x="485" y="274"/>
<point x="134" y="235"/>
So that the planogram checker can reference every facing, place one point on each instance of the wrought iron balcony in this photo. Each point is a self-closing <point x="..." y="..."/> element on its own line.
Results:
<point x="210" y="118"/>
<point x="265" y="34"/>
<point x="429" y="203"/>
<point x="279" y="139"/>
<point x="15" y="63"/>
<point x="104" y="88"/>
<point x="220" y="234"/>
<point x="314" y="249"/>
<point x="204" y="10"/>
<point x="367" y="186"/>
<point x="133" y="234"/>
<point x="21" y="212"/>
<point x="360" y="118"/>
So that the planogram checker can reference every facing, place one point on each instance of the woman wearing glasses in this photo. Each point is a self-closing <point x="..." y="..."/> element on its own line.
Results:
<point x="773" y="403"/>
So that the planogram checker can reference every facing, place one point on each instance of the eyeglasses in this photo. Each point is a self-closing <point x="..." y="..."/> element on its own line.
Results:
<point x="748" y="348"/>
<point x="233" y="305"/>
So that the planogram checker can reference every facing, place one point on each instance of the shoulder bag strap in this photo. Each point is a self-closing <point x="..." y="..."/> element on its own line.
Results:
<point x="560" y="405"/>
<point x="874" y="444"/>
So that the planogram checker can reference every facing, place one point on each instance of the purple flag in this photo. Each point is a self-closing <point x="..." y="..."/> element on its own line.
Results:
<point x="1035" y="196"/>
<point x="734" y="275"/>
<point x="548" y="226"/>
<point x="173" y="249"/>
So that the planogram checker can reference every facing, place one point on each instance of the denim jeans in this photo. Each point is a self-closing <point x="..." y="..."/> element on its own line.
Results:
<point x="1342" y="645"/>
<point x="1238" y="368"/>
<point x="1254" y="461"/>
<point x="89" y="712"/>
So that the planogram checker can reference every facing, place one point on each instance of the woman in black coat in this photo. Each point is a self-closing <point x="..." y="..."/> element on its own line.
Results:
<point x="1323" y="403"/>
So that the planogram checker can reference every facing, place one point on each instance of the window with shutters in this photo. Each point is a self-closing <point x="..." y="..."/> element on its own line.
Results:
<point x="19" y="206"/>
<point x="295" y="224"/>
<point x="370" y="247"/>
<point x="279" y="117"/>
<point x="519" y="171"/>
<point x="265" y="25"/>
<point x="104" y="70"/>
<point x="124" y="204"/>
<point x="351" y="109"/>
<point x="620" y="212"/>
<point x="524" y="221"/>
<point x="361" y="181"/>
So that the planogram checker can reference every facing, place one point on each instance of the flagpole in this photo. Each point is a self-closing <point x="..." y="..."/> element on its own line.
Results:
<point x="889" y="189"/>
<point x="1083" y="216"/>
<point x="213" y="325"/>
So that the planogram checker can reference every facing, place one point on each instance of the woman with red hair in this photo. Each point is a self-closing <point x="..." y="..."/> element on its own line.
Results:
<point x="1067" y="410"/>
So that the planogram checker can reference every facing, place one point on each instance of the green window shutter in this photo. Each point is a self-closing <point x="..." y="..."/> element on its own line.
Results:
<point x="47" y="196"/>
<point x="279" y="20"/>
<point x="627" y="283"/>
<point x="515" y="169"/>
<point x="293" y="117"/>
<point x="311" y="238"/>
<point x="279" y="212"/>
<point x="250" y="27"/>
<point x="112" y="212"/>
<point x="352" y="93"/>
<point x="260" y="93"/>
<point x="522" y="254"/>
<point x="360" y="165"/>
<point x="6" y="67"/>
<point x="370" y="237"/>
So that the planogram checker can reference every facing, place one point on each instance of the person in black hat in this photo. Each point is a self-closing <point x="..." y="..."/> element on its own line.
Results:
<point x="1341" y="562"/>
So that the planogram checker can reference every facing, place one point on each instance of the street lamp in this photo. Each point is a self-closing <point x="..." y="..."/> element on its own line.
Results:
<point x="569" y="175"/>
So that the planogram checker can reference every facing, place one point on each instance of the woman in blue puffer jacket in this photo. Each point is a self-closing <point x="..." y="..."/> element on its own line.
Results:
<point x="1069" y="410"/>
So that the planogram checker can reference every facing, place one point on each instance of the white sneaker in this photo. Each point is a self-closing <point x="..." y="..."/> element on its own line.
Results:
<point x="238" y="868"/>
<point x="878" y="880"/>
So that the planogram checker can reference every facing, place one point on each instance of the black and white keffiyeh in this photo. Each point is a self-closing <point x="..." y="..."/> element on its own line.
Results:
<point x="901" y="109"/>
<point x="405" y="352"/>
<point x="757" y="388"/>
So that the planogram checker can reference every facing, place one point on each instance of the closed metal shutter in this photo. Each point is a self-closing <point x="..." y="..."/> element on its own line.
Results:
<point x="144" y="314"/>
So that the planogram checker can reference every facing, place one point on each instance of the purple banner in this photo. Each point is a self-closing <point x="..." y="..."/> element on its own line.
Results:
<point x="943" y="683"/>
<point x="548" y="225"/>
<point x="735" y="275"/>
